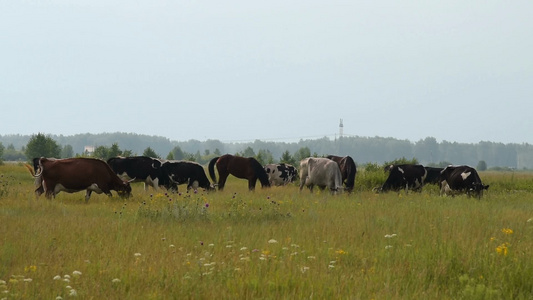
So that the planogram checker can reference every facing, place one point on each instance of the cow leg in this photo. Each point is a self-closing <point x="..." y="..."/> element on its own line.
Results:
<point x="87" y="195"/>
<point x="251" y="184"/>
<point x="222" y="181"/>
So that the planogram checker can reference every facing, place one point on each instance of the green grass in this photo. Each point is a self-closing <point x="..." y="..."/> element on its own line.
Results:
<point x="273" y="243"/>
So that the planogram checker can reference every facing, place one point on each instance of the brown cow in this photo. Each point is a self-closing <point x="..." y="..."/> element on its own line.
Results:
<point x="77" y="174"/>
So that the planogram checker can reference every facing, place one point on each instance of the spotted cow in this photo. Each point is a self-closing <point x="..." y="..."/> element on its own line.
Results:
<point x="281" y="174"/>
<point x="461" y="179"/>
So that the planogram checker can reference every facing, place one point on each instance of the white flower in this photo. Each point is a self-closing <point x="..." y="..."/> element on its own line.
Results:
<point x="66" y="280"/>
<point x="331" y="266"/>
<point x="388" y="247"/>
<point x="244" y="249"/>
<point x="211" y="245"/>
<point x="388" y="236"/>
<point x="67" y="276"/>
<point x="311" y="257"/>
<point x="68" y="287"/>
<point x="172" y="246"/>
<point x="2" y="281"/>
<point x="272" y="241"/>
<point x="245" y="258"/>
<point x="305" y="269"/>
<point x="116" y="280"/>
<point x="73" y="293"/>
<point x="27" y="280"/>
<point x="57" y="277"/>
<point x="137" y="254"/>
<point x="59" y="298"/>
<point x="76" y="273"/>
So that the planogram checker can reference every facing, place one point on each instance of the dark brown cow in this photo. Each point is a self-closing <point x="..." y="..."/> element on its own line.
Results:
<point x="77" y="174"/>
<point x="348" y="170"/>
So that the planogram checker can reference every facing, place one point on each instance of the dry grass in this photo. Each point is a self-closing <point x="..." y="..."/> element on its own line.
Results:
<point x="274" y="243"/>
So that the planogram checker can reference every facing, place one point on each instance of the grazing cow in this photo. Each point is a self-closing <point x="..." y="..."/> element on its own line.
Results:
<point x="76" y="174"/>
<point x="180" y="172"/>
<point x="433" y="175"/>
<point x="139" y="169"/>
<point x="321" y="172"/>
<point x="461" y="179"/>
<point x="241" y="167"/>
<point x="410" y="177"/>
<point x="281" y="174"/>
<point x="348" y="170"/>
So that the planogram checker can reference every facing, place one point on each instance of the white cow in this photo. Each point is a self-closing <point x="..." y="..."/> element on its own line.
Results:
<point x="321" y="172"/>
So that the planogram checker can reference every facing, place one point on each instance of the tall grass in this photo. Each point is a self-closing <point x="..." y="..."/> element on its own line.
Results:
<point x="275" y="243"/>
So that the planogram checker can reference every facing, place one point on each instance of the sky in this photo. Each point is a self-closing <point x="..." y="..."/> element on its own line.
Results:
<point x="241" y="70"/>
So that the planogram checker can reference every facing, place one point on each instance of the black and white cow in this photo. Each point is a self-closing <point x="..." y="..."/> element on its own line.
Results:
<point x="433" y="175"/>
<point x="281" y="174"/>
<point x="139" y="169"/>
<point x="322" y="172"/>
<point x="181" y="172"/>
<point x="407" y="176"/>
<point x="461" y="179"/>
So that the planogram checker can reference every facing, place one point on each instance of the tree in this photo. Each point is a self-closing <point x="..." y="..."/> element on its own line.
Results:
<point x="114" y="151"/>
<point x="248" y="152"/>
<point x="302" y="153"/>
<point x="1" y="151"/>
<point x="101" y="152"/>
<point x="150" y="153"/>
<point x="177" y="153"/>
<point x="67" y="151"/>
<point x="287" y="158"/>
<point x="481" y="165"/>
<point x="42" y="146"/>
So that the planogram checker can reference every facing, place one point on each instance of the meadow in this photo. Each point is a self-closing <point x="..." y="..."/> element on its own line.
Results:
<point x="276" y="243"/>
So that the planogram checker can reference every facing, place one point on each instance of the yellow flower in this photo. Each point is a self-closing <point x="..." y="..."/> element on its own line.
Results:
<point x="507" y="231"/>
<point x="340" y="251"/>
<point x="31" y="268"/>
<point x="502" y="249"/>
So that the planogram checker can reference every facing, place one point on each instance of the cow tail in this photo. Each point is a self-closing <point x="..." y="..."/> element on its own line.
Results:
<point x="30" y="168"/>
<point x="211" y="168"/>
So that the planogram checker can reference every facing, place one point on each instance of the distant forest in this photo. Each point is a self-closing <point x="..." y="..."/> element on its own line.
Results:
<point x="363" y="149"/>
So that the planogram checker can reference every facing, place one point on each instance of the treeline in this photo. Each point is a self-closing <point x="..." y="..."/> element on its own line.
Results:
<point x="363" y="149"/>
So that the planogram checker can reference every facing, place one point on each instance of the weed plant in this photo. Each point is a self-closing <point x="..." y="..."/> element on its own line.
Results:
<point x="276" y="243"/>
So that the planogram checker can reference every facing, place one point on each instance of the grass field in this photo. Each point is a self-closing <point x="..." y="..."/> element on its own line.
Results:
<point x="273" y="243"/>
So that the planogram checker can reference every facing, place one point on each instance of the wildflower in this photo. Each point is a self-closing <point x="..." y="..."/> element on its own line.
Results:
<point x="28" y="280"/>
<point x="331" y="266"/>
<point x="272" y="241"/>
<point x="30" y="268"/>
<point x="502" y="249"/>
<point x="340" y="251"/>
<point x="206" y="205"/>
<point x="492" y="239"/>
<point x="244" y="249"/>
<point x="507" y="231"/>
<point x="59" y="298"/>
<point x="67" y="276"/>
<point x="171" y="246"/>
<point x="57" y="277"/>
<point x="76" y="273"/>
<point x="2" y="282"/>
<point x="305" y="269"/>
<point x="73" y="293"/>
<point x="211" y="245"/>
<point x="388" y="236"/>
<point x="388" y="246"/>
<point x="116" y="280"/>
<point x="137" y="254"/>
<point x="311" y="257"/>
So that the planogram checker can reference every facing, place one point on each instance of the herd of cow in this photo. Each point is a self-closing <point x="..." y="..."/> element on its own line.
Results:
<point x="335" y="173"/>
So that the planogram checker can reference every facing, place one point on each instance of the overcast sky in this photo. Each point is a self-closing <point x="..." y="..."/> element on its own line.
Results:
<point x="271" y="70"/>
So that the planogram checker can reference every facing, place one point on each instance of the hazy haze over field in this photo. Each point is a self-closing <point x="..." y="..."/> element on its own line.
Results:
<point x="244" y="70"/>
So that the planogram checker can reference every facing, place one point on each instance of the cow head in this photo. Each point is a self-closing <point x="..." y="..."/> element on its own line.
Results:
<point x="477" y="189"/>
<point x="125" y="190"/>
